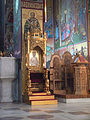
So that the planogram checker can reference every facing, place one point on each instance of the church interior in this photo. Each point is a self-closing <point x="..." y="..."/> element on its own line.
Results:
<point x="44" y="59"/>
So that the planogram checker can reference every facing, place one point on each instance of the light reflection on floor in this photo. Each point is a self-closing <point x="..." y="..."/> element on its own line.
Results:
<point x="77" y="111"/>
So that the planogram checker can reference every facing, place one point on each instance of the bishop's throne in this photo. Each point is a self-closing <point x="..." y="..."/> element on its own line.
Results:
<point x="37" y="82"/>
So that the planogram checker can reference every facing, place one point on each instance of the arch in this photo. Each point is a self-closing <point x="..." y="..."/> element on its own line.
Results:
<point x="67" y="58"/>
<point x="37" y="48"/>
<point x="56" y="83"/>
<point x="56" y="55"/>
<point x="34" y="45"/>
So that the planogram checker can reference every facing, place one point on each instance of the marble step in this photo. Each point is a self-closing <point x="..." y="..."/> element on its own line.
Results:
<point x="44" y="102"/>
<point x="38" y="97"/>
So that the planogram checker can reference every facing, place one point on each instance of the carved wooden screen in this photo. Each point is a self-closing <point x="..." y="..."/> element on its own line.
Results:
<point x="56" y="65"/>
<point x="67" y="72"/>
<point x="56" y="83"/>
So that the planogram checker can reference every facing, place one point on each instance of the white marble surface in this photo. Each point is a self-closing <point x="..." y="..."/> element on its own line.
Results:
<point x="75" y="100"/>
<point x="7" y="67"/>
<point x="7" y="90"/>
<point x="7" y="75"/>
<point x="78" y="111"/>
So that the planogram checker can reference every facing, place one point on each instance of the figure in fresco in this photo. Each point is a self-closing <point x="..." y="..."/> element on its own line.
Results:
<point x="33" y="60"/>
<point x="32" y="24"/>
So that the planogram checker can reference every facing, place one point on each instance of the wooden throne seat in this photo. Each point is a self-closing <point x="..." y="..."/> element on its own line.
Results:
<point x="36" y="77"/>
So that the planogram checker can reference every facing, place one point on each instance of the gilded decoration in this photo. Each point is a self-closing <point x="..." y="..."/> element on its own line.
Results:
<point x="35" y="74"/>
<point x="36" y="18"/>
<point x="36" y="65"/>
<point x="38" y="42"/>
<point x="31" y="5"/>
<point x="36" y="53"/>
<point x="32" y="21"/>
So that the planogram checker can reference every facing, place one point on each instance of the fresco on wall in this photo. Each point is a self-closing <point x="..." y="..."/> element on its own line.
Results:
<point x="57" y="34"/>
<point x="73" y="22"/>
<point x="8" y="42"/>
<point x="50" y="40"/>
<point x="12" y="43"/>
<point x="73" y="27"/>
<point x="57" y="23"/>
<point x="32" y="20"/>
<point x="76" y="49"/>
<point x="50" y="50"/>
<point x="89" y="6"/>
<point x="48" y="27"/>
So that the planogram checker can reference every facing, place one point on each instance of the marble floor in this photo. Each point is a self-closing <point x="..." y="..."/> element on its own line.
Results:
<point x="17" y="111"/>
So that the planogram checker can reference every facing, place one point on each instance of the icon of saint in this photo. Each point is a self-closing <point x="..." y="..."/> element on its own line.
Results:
<point x="32" y="24"/>
<point x="33" y="60"/>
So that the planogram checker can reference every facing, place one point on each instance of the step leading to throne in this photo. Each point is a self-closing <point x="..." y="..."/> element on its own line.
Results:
<point x="37" y="81"/>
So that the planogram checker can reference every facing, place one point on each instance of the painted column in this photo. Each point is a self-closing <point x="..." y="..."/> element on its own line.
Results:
<point x="88" y="38"/>
<point x="60" y="4"/>
<point x="54" y="24"/>
<point x="88" y="25"/>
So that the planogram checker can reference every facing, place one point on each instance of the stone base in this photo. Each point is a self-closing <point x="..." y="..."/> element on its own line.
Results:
<point x="6" y="95"/>
<point x="79" y="100"/>
<point x="8" y="73"/>
<point x="73" y="98"/>
<point x="7" y="100"/>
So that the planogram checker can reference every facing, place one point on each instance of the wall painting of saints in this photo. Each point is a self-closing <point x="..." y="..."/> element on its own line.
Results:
<point x="32" y="21"/>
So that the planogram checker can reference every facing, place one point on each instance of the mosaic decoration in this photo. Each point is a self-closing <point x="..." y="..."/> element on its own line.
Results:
<point x="73" y="28"/>
<point x="32" y="21"/>
<point x="32" y="24"/>
<point x="57" y="23"/>
<point x="49" y="50"/>
<point x="89" y="6"/>
<point x="8" y="42"/>
<point x="74" y="49"/>
<point x="48" y="27"/>
<point x="73" y="22"/>
<point x="56" y="32"/>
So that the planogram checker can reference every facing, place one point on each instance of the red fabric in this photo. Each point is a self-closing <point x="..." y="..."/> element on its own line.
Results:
<point x="36" y="77"/>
